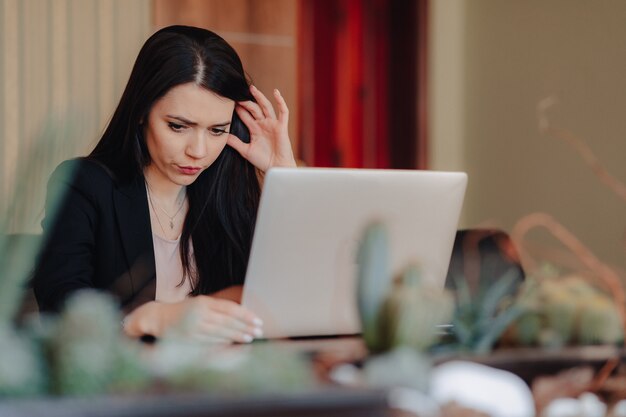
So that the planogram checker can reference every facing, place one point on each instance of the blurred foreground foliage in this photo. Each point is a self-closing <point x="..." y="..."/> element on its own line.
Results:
<point x="82" y="352"/>
<point x="547" y="310"/>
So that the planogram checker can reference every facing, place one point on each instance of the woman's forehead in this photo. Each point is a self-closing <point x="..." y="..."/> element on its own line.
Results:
<point x="195" y="103"/>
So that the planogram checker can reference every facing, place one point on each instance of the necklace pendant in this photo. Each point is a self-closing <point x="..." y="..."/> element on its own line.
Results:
<point x="171" y="224"/>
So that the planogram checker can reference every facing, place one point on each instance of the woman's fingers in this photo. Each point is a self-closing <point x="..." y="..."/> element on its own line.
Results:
<point x="228" y="320"/>
<point x="236" y="311"/>
<point x="263" y="108"/>
<point x="245" y="116"/>
<point x="269" y="137"/>
<point x="266" y="106"/>
<point x="283" y="110"/>
<point x="236" y="143"/>
<point x="221" y="327"/>
<point x="253" y="109"/>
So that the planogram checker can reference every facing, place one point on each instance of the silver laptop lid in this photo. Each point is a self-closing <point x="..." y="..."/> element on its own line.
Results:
<point x="301" y="277"/>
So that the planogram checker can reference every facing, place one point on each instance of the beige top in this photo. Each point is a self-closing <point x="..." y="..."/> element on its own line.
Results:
<point x="169" y="270"/>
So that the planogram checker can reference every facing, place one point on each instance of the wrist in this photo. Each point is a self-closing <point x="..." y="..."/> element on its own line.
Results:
<point x="144" y="320"/>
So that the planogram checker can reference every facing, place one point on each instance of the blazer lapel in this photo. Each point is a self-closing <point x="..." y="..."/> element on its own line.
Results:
<point x="133" y="219"/>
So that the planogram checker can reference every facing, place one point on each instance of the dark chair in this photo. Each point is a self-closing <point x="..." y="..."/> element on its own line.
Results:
<point x="482" y="256"/>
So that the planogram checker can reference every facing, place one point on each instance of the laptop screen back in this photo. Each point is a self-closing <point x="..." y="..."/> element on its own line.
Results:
<point x="301" y="277"/>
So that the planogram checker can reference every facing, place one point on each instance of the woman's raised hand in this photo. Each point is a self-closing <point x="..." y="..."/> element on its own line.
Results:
<point x="269" y="137"/>
<point x="203" y="318"/>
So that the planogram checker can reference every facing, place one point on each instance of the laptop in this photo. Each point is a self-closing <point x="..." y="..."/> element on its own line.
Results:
<point x="301" y="277"/>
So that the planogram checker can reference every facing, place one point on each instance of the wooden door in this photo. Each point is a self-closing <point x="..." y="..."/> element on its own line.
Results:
<point x="361" y="72"/>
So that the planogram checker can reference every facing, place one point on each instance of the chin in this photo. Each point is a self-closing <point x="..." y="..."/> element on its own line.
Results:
<point x="185" y="180"/>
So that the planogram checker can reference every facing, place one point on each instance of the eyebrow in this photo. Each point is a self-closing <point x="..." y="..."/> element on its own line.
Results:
<point x="190" y="123"/>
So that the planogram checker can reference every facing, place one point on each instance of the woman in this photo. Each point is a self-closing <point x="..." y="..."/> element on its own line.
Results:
<point x="161" y="213"/>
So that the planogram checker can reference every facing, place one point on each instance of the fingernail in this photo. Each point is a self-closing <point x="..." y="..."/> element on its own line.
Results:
<point x="257" y="332"/>
<point x="252" y="87"/>
<point x="257" y="322"/>
<point x="247" y="338"/>
<point x="276" y="91"/>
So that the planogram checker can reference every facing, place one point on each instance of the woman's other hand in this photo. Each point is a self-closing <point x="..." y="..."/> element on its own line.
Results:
<point x="203" y="318"/>
<point x="269" y="136"/>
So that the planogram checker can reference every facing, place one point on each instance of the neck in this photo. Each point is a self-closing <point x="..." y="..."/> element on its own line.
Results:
<point x="162" y="189"/>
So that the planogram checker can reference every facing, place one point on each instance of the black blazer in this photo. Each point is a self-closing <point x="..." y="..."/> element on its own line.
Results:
<point x="96" y="235"/>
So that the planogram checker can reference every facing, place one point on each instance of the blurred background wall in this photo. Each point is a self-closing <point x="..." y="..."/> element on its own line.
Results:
<point x="63" y="66"/>
<point x="491" y="63"/>
<point x="440" y="84"/>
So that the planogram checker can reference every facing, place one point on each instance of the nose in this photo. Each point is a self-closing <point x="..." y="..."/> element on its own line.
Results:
<point x="197" y="147"/>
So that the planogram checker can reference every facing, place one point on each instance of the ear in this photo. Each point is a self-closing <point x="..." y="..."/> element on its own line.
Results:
<point x="143" y="119"/>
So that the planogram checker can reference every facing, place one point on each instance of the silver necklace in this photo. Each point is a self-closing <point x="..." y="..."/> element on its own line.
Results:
<point x="171" y="218"/>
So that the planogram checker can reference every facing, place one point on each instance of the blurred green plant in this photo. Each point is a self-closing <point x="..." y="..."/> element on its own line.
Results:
<point x="22" y="364"/>
<point x="480" y="320"/>
<point x="20" y="239"/>
<point x="372" y="281"/>
<point x="400" y="312"/>
<point x="506" y="310"/>
<point x="18" y="251"/>
<point x="412" y="312"/>
<point x="83" y="352"/>
<point x="568" y="310"/>
<point x="409" y="312"/>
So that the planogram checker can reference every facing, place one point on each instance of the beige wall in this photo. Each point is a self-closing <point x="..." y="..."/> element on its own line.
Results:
<point x="63" y="65"/>
<point x="492" y="61"/>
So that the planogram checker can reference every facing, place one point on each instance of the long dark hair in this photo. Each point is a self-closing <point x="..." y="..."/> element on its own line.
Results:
<point x="224" y="199"/>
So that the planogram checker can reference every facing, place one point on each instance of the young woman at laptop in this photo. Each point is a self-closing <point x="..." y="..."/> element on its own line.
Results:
<point x="161" y="213"/>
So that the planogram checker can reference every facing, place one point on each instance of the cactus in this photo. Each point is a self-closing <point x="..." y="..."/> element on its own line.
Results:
<point x="561" y="315"/>
<point x="86" y="345"/>
<point x="599" y="322"/>
<point x="404" y="313"/>
<point x="527" y="328"/>
<point x="566" y="310"/>
<point x="22" y="372"/>
<point x="412" y="311"/>
<point x="400" y="367"/>
<point x="373" y="280"/>
<point x="191" y="366"/>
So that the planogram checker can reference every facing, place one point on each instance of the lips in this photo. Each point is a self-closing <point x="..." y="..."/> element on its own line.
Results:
<point x="188" y="170"/>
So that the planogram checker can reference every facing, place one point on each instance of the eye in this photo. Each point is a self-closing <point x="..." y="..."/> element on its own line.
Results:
<point x="176" y="127"/>
<point x="217" y="131"/>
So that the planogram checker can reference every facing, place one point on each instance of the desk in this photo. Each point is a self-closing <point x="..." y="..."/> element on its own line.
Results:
<point x="347" y="349"/>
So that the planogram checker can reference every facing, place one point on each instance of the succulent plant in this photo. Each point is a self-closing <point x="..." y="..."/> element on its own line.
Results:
<point x="87" y="352"/>
<point x="565" y="310"/>
<point x="18" y="250"/>
<point x="401" y="366"/>
<point x="479" y="321"/>
<point x="22" y="371"/>
<point x="241" y="370"/>
<point x="373" y="280"/>
<point x="400" y="312"/>
<point x="412" y="311"/>
<point x="599" y="322"/>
